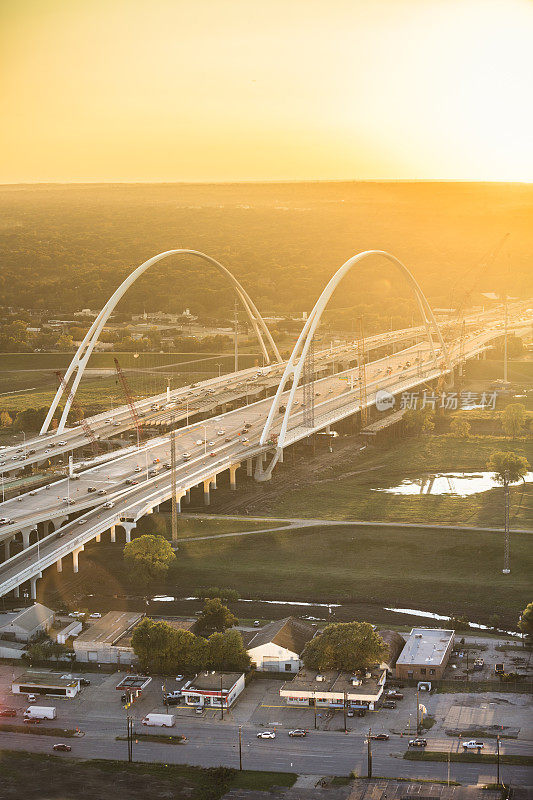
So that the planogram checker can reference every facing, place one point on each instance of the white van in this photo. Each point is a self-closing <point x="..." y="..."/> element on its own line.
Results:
<point x="159" y="720"/>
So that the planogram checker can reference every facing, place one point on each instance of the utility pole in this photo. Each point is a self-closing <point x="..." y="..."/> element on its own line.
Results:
<point x="498" y="761"/>
<point x="240" y="748"/>
<point x="369" y="754"/>
<point x="344" y="710"/>
<point x="236" y="335"/>
<point x="417" y="714"/>
<point x="129" y="721"/>
<point x="506" y="492"/>
<point x="314" y="709"/>
<point x="221" y="700"/>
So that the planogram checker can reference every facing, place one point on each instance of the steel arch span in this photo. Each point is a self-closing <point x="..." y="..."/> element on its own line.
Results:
<point x="296" y="360"/>
<point x="79" y="362"/>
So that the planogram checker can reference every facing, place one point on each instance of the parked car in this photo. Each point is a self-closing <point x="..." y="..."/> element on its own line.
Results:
<point x="473" y="744"/>
<point x="32" y="698"/>
<point x="392" y="694"/>
<point x="85" y="682"/>
<point x="31" y="720"/>
<point x="418" y="742"/>
<point x="388" y="704"/>
<point x="266" y="735"/>
<point x="298" y="732"/>
<point x="380" y="737"/>
<point x="96" y="614"/>
<point x="8" y="712"/>
<point x="64" y="748"/>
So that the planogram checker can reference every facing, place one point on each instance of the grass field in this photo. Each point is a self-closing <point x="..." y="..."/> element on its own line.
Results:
<point x="336" y="495"/>
<point x="55" y="778"/>
<point x="27" y="380"/>
<point x="197" y="526"/>
<point x="447" y="572"/>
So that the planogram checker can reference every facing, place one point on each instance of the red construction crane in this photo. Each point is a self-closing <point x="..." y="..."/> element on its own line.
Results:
<point x="129" y="398"/>
<point x="88" y="431"/>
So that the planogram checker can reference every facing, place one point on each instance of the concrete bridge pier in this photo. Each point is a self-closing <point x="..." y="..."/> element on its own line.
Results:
<point x="98" y="538"/>
<point x="33" y="586"/>
<point x="75" y="556"/>
<point x="233" y="477"/>
<point x="207" y="496"/>
<point x="113" y="532"/>
<point x="7" y="547"/>
<point x="16" y="592"/>
<point x="187" y="496"/>
<point x="250" y="467"/>
<point x="59" y="565"/>
<point x="128" y="527"/>
<point x="57" y="522"/>
<point x="26" y="536"/>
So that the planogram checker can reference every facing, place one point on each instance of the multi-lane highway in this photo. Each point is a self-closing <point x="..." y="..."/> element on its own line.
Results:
<point x="121" y="490"/>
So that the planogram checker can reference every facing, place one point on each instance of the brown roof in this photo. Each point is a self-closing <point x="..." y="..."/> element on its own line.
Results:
<point x="290" y="633"/>
<point x="395" y="642"/>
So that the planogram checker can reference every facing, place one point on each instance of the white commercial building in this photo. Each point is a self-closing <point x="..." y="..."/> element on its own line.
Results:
<point x="207" y="689"/>
<point x="108" y="641"/>
<point x="22" y="626"/>
<point x="278" y="646"/>
<point x="335" y="689"/>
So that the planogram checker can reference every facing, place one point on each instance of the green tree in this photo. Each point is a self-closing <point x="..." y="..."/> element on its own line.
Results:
<point x="227" y="595"/>
<point x="155" y="645"/>
<point x="419" y="420"/>
<point x="216" y="616"/>
<point x="525" y="622"/>
<point x="226" y="651"/>
<point x="460" y="428"/>
<point x="458" y="624"/>
<point x="501" y="462"/>
<point x="513" y="419"/>
<point x="148" y="559"/>
<point x="5" y="419"/>
<point x="348" y="646"/>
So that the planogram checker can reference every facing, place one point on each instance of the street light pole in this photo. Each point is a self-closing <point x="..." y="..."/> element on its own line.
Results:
<point x="240" y="748"/>
<point x="498" y="761"/>
<point x="221" y="701"/>
<point x="344" y="710"/>
<point x="369" y="754"/>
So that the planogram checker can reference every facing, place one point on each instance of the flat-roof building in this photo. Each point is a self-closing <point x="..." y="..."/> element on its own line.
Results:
<point x="46" y="683"/>
<point x="207" y="689"/>
<point x="426" y="654"/>
<point x="108" y="641"/>
<point x="334" y="688"/>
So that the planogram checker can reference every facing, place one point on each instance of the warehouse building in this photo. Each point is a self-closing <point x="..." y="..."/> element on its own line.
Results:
<point x="426" y="654"/>
<point x="108" y="641"/>
<point x="24" y="625"/>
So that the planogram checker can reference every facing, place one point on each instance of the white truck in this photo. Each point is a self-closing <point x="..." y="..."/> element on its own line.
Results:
<point x="159" y="720"/>
<point x="40" y="712"/>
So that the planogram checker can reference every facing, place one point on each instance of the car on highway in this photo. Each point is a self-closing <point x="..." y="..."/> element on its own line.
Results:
<point x="155" y="460"/>
<point x="62" y="443"/>
<point x="418" y="742"/>
<point x="109" y="504"/>
<point x="199" y="442"/>
<point x="107" y="421"/>
<point x="8" y="712"/>
<point x="5" y="521"/>
<point x="131" y="482"/>
<point x="64" y="748"/>
<point x="298" y="732"/>
<point x="380" y="737"/>
<point x="227" y="439"/>
<point x="221" y="432"/>
<point x="91" y="489"/>
<point x="138" y="468"/>
<point x="186" y="456"/>
<point x="33" y="492"/>
<point x="473" y="744"/>
<point x="101" y="492"/>
<point x="266" y="735"/>
<point x="212" y="453"/>
<point x="115" y="424"/>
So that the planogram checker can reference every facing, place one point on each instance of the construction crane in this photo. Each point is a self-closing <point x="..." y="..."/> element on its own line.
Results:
<point x="88" y="431"/>
<point x="361" y="369"/>
<point x="129" y="398"/>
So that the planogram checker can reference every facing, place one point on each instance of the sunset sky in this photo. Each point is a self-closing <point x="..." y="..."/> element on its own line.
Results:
<point x="223" y="90"/>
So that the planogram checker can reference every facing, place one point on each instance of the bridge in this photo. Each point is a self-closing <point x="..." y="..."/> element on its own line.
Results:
<point x="116" y="490"/>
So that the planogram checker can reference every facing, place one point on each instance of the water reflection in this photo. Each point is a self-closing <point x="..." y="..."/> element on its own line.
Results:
<point x="460" y="484"/>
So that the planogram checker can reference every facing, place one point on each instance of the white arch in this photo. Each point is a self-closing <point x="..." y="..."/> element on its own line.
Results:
<point x="296" y="360"/>
<point x="79" y="362"/>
